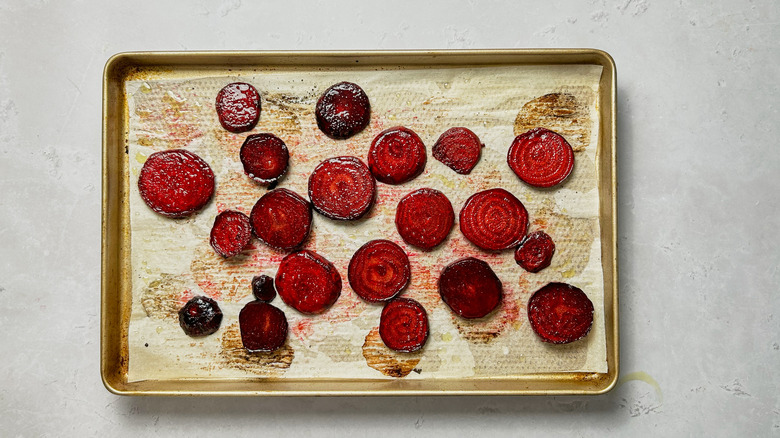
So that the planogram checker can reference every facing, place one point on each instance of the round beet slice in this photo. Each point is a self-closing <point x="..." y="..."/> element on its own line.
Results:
<point x="541" y="158"/>
<point x="231" y="233"/>
<point x="494" y="220"/>
<point x="238" y="107"/>
<point x="403" y="325"/>
<point x="263" y="288"/>
<point x="342" y="188"/>
<point x="282" y="219"/>
<point x="397" y="155"/>
<point x="470" y="288"/>
<point x="560" y="313"/>
<point x="459" y="149"/>
<point x="379" y="271"/>
<point x="308" y="282"/>
<point x="343" y="110"/>
<point x="201" y="316"/>
<point x="263" y="326"/>
<point x="264" y="157"/>
<point x="535" y="252"/>
<point x="176" y="182"/>
<point x="424" y="218"/>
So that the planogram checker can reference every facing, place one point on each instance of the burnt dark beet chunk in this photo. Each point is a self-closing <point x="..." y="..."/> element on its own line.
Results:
<point x="175" y="183"/>
<point x="342" y="188"/>
<point x="201" y="316"/>
<point x="560" y="313"/>
<point x="459" y="149"/>
<point x="494" y="220"/>
<point x="379" y="271"/>
<point x="238" y="107"/>
<point x="397" y="155"/>
<point x="424" y="218"/>
<point x="535" y="252"/>
<point x="343" y="110"/>
<point x="541" y="158"/>
<point x="263" y="327"/>
<point x="403" y="325"/>
<point x="281" y="219"/>
<point x="264" y="157"/>
<point x="231" y="233"/>
<point x="470" y="288"/>
<point x="263" y="288"/>
<point x="308" y="282"/>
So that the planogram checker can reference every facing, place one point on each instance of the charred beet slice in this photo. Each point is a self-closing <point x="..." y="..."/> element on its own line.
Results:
<point x="231" y="233"/>
<point x="342" y="188"/>
<point x="238" y="107"/>
<point x="176" y="182"/>
<point x="403" y="325"/>
<point x="541" y="158"/>
<point x="264" y="157"/>
<point x="459" y="149"/>
<point x="308" y="282"/>
<point x="397" y="155"/>
<point x="201" y="316"/>
<point x="281" y="219"/>
<point x="470" y="288"/>
<point x="424" y="218"/>
<point x="379" y="271"/>
<point x="263" y="288"/>
<point x="343" y="110"/>
<point x="560" y="313"/>
<point x="494" y="220"/>
<point x="535" y="252"/>
<point x="263" y="327"/>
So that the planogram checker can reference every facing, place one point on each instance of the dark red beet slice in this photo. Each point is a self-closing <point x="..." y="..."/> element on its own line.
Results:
<point x="541" y="158"/>
<point x="535" y="252"/>
<point x="379" y="271"/>
<point x="263" y="326"/>
<point x="403" y="325"/>
<point x="263" y="288"/>
<point x="397" y="155"/>
<point x="470" y="288"/>
<point x="201" y="316"/>
<point x="459" y="149"/>
<point x="343" y="110"/>
<point x="424" y="218"/>
<point x="176" y="182"/>
<point x="231" y="233"/>
<point x="264" y="157"/>
<point x="560" y="313"/>
<point x="281" y="219"/>
<point x="342" y="188"/>
<point x="494" y="220"/>
<point x="238" y="107"/>
<point x="308" y="282"/>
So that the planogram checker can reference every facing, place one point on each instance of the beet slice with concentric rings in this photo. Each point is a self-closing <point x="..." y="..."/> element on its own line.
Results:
<point x="560" y="313"/>
<point x="459" y="149"/>
<point x="343" y="110"/>
<point x="397" y="155"/>
<point x="201" y="316"/>
<point x="264" y="157"/>
<point x="541" y="158"/>
<point x="494" y="220"/>
<point x="379" y="271"/>
<point x="176" y="183"/>
<point x="403" y="325"/>
<point x="238" y="107"/>
<point x="263" y="327"/>
<point x="263" y="288"/>
<point x="231" y="233"/>
<point x="535" y="251"/>
<point x="281" y="219"/>
<point x="424" y="218"/>
<point x="308" y="282"/>
<point x="342" y="188"/>
<point x="470" y="288"/>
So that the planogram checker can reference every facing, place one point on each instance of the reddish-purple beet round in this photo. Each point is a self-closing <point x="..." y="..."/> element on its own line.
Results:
<point x="238" y="107"/>
<point x="397" y="155"/>
<point x="424" y="218"/>
<point x="175" y="183"/>
<point x="403" y="325"/>
<point x="459" y="149"/>
<point x="560" y="313"/>
<point x="494" y="220"/>
<point x="231" y="233"/>
<point x="343" y="110"/>
<point x="201" y="316"/>
<point x="308" y="282"/>
<point x="263" y="288"/>
<point x="281" y="219"/>
<point x="541" y="158"/>
<point x="263" y="327"/>
<point x="264" y="157"/>
<point x="470" y="288"/>
<point x="379" y="271"/>
<point x="342" y="188"/>
<point x="535" y="252"/>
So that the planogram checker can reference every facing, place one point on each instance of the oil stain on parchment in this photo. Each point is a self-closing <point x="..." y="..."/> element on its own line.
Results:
<point x="573" y="239"/>
<point x="565" y="112"/>
<point x="233" y="354"/>
<point x="168" y="116"/>
<point x="164" y="296"/>
<point x="387" y="361"/>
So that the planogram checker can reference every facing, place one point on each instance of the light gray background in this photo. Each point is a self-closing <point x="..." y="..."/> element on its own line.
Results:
<point x="698" y="198"/>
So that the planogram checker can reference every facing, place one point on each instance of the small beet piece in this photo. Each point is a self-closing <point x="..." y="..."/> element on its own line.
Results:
<point x="343" y="110"/>
<point x="238" y="107"/>
<point x="308" y="282"/>
<point x="541" y="158"/>
<point x="397" y="155"/>
<point x="231" y="233"/>
<point x="263" y="326"/>
<point x="263" y="288"/>
<point x="403" y="325"/>
<point x="424" y="218"/>
<point x="176" y="183"/>
<point x="264" y="157"/>
<point x="470" y="288"/>
<point x="494" y="220"/>
<point x="342" y="188"/>
<point x="459" y="149"/>
<point x="535" y="252"/>
<point x="560" y="313"/>
<point x="281" y="219"/>
<point x="201" y="316"/>
<point x="379" y="271"/>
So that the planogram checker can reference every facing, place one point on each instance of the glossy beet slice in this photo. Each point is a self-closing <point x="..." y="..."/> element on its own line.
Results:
<point x="201" y="316"/>
<point x="535" y="252"/>
<point x="282" y="219"/>
<point x="403" y="325"/>
<point x="459" y="149"/>
<point x="342" y="188"/>
<point x="379" y="271"/>
<point x="263" y="326"/>
<point x="238" y="107"/>
<point x="494" y="220"/>
<point x="397" y="155"/>
<point x="470" y="288"/>
<point x="424" y="218"/>
<point x="231" y="233"/>
<point x="343" y="110"/>
<point x="541" y="158"/>
<point x="308" y="282"/>
<point x="263" y="288"/>
<point x="560" y="313"/>
<point x="176" y="182"/>
<point x="264" y="157"/>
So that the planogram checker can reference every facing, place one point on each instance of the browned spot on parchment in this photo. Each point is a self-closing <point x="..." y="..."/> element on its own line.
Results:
<point x="234" y="355"/>
<point x="168" y="116"/>
<point x="484" y="330"/>
<point x="164" y="296"/>
<point x="573" y="239"/>
<point x="565" y="113"/>
<point x="386" y="361"/>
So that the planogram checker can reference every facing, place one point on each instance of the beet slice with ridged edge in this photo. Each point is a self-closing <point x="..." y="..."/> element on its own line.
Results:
<point x="342" y="188"/>
<point x="343" y="110"/>
<point x="403" y="325"/>
<point x="263" y="327"/>
<point x="238" y="107"/>
<point x="535" y="251"/>
<point x="281" y="219"/>
<point x="175" y="183"/>
<point x="459" y="149"/>
<point x="470" y="288"/>
<point x="560" y="313"/>
<point x="231" y="233"/>
<point x="396" y="155"/>
<point x="308" y="282"/>
<point x="541" y="158"/>
<point x="264" y="157"/>
<point x="379" y="271"/>
<point x="494" y="220"/>
<point x="424" y="218"/>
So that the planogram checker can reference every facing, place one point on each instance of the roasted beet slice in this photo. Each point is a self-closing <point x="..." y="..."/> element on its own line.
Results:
<point x="343" y="110"/>
<point x="459" y="149"/>
<point x="379" y="271"/>
<point x="535" y="252"/>
<point x="281" y="219"/>
<point x="308" y="282"/>
<point x="424" y="218"/>
<point x="263" y="326"/>
<point x="201" y="316"/>
<point x="560" y="313"/>
<point x="397" y="155"/>
<point x="264" y="157"/>
<point x="470" y="288"/>
<point x="263" y="288"/>
<point x="342" y="188"/>
<point x="403" y="325"/>
<point x="238" y="107"/>
<point x="176" y="182"/>
<point x="541" y="158"/>
<point x="494" y="220"/>
<point x="231" y="233"/>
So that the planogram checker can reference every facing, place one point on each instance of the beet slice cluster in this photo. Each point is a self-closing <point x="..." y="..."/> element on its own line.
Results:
<point x="308" y="282"/>
<point x="263" y="327"/>
<point x="470" y="288"/>
<point x="238" y="107"/>
<point x="535" y="252"/>
<point x="201" y="316"/>
<point x="175" y="183"/>
<point x="403" y="325"/>
<point x="541" y="158"/>
<point x="343" y="110"/>
<point x="424" y="218"/>
<point x="459" y="149"/>
<point x="397" y="155"/>
<point x="265" y="158"/>
<point x="342" y="188"/>
<point x="494" y="220"/>
<point x="379" y="271"/>
<point x="281" y="219"/>
<point x="560" y="313"/>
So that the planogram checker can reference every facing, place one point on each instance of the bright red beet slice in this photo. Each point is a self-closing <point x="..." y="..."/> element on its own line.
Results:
<point x="231" y="233"/>
<point x="264" y="157"/>
<point x="379" y="271"/>
<point x="176" y="182"/>
<point x="263" y="326"/>
<point x="343" y="110"/>
<point x="541" y="158"/>
<point x="470" y="288"/>
<point x="424" y="218"/>
<point x="342" y="188"/>
<point x="535" y="252"/>
<point x="560" y="313"/>
<point x="263" y="288"/>
<point x="403" y="325"/>
<point x="459" y="149"/>
<point x="397" y="155"/>
<point x="308" y="282"/>
<point x="201" y="316"/>
<point x="281" y="219"/>
<point x="494" y="220"/>
<point x="238" y="107"/>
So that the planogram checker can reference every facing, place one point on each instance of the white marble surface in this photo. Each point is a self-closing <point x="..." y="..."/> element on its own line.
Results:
<point x="698" y="211"/>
